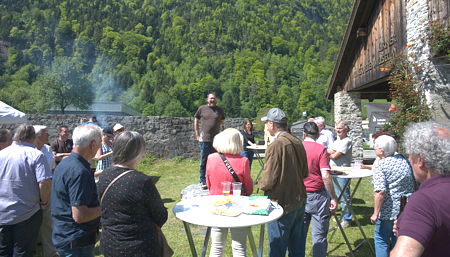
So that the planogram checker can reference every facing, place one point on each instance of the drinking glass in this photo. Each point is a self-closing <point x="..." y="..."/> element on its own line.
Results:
<point x="356" y="165"/>
<point x="237" y="186"/>
<point x="226" y="188"/>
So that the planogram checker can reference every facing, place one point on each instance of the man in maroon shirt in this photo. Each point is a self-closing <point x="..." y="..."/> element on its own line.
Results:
<point x="424" y="226"/>
<point x="318" y="203"/>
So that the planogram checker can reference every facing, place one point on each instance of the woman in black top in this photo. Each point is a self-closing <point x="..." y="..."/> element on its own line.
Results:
<point x="249" y="138"/>
<point x="132" y="208"/>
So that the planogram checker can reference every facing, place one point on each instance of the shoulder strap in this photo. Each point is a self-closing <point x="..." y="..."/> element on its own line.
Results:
<point x="230" y="169"/>
<point x="112" y="182"/>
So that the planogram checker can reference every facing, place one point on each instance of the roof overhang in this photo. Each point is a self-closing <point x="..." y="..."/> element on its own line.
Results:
<point x="359" y="18"/>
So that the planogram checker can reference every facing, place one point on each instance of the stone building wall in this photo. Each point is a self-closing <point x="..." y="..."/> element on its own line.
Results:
<point x="166" y="137"/>
<point x="435" y="71"/>
<point x="347" y="107"/>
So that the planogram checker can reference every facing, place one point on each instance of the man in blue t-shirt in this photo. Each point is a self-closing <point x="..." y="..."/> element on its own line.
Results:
<point x="74" y="201"/>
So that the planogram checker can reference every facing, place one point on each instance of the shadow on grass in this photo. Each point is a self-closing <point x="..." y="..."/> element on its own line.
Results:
<point x="168" y="200"/>
<point x="358" y="201"/>
<point x="365" y="212"/>
<point x="362" y="251"/>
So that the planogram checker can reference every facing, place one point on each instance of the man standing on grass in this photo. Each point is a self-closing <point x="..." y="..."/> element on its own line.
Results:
<point x="424" y="226"/>
<point x="284" y="172"/>
<point x="75" y="205"/>
<point x="341" y="156"/>
<point x="63" y="145"/>
<point x="319" y="188"/>
<point x="45" y="232"/>
<point x="25" y="180"/>
<point x="211" y="117"/>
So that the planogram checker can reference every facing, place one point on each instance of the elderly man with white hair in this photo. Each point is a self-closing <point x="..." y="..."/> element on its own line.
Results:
<point x="424" y="226"/>
<point x="340" y="153"/>
<point x="45" y="232"/>
<point x="75" y="205"/>
<point x="392" y="179"/>
<point x="25" y="180"/>
<point x="326" y="137"/>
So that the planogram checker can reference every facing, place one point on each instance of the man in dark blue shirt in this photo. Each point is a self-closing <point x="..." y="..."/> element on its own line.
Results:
<point x="75" y="206"/>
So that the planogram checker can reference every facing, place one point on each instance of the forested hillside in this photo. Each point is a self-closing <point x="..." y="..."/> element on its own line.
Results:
<point x="163" y="56"/>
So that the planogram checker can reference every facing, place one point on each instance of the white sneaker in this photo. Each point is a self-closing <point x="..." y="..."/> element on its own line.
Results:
<point x="345" y="224"/>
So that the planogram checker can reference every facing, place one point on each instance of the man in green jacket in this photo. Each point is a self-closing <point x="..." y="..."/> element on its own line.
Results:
<point x="282" y="181"/>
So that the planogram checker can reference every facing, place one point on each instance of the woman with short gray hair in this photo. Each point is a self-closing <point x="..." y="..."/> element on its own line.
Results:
<point x="392" y="179"/>
<point x="132" y="209"/>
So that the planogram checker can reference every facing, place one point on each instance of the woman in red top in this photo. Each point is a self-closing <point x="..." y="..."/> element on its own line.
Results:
<point x="229" y="143"/>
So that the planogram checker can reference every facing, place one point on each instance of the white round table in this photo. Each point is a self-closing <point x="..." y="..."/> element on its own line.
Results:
<point x="196" y="212"/>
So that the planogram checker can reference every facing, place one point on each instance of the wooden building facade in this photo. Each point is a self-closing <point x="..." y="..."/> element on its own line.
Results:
<point x="379" y="30"/>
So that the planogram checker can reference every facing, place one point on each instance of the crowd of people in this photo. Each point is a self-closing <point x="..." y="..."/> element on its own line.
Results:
<point x="296" y="175"/>
<point x="52" y="193"/>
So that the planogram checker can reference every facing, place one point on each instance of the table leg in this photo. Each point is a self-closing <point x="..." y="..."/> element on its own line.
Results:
<point x="261" y="163"/>
<point x="261" y="241"/>
<point x="343" y="233"/>
<point x="190" y="239"/>
<point x="251" y="239"/>
<point x="205" y="243"/>
<point x="348" y="205"/>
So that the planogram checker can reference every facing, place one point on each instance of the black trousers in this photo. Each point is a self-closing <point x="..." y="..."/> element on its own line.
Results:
<point x="19" y="240"/>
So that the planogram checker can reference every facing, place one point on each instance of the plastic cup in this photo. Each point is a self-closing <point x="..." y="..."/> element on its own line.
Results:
<point x="356" y="165"/>
<point x="226" y="188"/>
<point x="237" y="187"/>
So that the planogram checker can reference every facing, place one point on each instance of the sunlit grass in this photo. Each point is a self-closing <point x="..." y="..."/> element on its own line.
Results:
<point x="171" y="176"/>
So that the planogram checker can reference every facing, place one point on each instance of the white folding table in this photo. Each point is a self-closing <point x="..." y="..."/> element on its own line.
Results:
<point x="351" y="174"/>
<point x="197" y="213"/>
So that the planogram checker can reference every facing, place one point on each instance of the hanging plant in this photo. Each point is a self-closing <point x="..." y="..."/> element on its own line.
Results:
<point x="439" y="35"/>
<point x="406" y="91"/>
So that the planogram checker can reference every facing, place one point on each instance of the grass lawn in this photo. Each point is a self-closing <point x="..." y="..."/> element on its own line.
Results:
<point x="171" y="176"/>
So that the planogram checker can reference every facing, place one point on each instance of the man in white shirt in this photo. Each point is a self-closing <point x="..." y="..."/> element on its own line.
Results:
<point x="340" y="152"/>
<point x="326" y="137"/>
<point x="45" y="232"/>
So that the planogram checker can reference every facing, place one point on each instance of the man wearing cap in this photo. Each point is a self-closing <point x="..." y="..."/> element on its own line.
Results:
<point x="211" y="117"/>
<point x="284" y="172"/>
<point x="117" y="129"/>
<point x="104" y="153"/>
<point x="319" y="188"/>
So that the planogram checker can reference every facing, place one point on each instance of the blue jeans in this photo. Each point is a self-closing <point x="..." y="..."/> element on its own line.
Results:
<point x="384" y="238"/>
<point x="347" y="215"/>
<point x="20" y="239"/>
<point x="78" y="252"/>
<point x="317" y="209"/>
<point x="249" y="154"/>
<point x="287" y="233"/>
<point x="206" y="148"/>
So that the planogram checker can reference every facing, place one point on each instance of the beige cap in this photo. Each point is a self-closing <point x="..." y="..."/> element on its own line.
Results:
<point x="117" y="127"/>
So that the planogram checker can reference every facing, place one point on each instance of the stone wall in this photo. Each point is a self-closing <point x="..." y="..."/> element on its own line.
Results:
<point x="435" y="71"/>
<point x="347" y="107"/>
<point x="166" y="137"/>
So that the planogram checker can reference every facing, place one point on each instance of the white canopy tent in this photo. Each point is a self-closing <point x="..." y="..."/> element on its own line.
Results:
<point x="9" y="115"/>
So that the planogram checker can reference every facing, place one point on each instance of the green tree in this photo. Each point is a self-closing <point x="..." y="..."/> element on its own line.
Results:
<point x="62" y="85"/>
